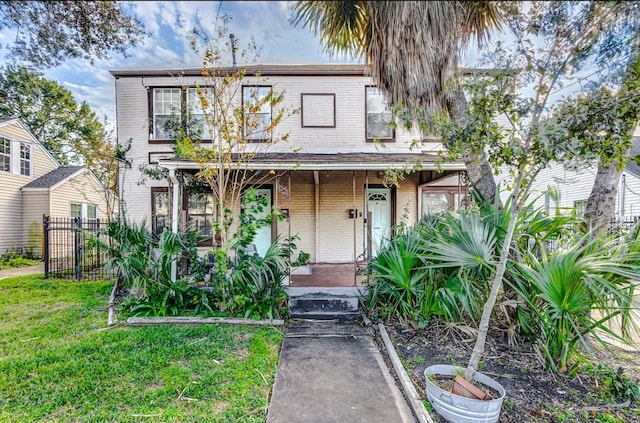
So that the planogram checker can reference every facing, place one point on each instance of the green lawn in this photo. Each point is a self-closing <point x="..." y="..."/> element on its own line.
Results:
<point x="59" y="362"/>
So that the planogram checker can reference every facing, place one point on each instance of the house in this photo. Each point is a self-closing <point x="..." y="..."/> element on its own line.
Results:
<point x="328" y="179"/>
<point x="573" y="187"/>
<point x="34" y="184"/>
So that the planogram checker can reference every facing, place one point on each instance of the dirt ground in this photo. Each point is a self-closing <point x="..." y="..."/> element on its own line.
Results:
<point x="533" y="394"/>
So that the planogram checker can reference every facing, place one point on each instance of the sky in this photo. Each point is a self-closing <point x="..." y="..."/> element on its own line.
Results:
<point x="169" y="24"/>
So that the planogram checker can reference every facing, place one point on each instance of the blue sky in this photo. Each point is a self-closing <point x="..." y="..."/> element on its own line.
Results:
<point x="169" y="23"/>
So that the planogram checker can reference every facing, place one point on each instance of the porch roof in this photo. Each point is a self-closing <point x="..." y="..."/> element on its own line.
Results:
<point x="336" y="161"/>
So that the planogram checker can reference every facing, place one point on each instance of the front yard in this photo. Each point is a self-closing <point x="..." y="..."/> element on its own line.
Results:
<point x="59" y="361"/>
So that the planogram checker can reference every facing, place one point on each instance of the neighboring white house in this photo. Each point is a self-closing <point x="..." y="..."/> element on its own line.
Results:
<point x="33" y="184"/>
<point x="574" y="187"/>
<point x="331" y="189"/>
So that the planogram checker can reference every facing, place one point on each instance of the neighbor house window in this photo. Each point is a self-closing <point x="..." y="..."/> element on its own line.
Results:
<point x="92" y="212"/>
<point x="5" y="155"/>
<point x="25" y="159"/>
<point x="200" y="214"/>
<point x="159" y="209"/>
<point x="580" y="207"/>
<point x="76" y="210"/>
<point x="379" y="117"/>
<point x="257" y="109"/>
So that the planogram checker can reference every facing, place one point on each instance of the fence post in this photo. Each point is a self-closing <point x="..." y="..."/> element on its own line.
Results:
<point x="96" y="234"/>
<point x="76" y="247"/>
<point x="45" y="233"/>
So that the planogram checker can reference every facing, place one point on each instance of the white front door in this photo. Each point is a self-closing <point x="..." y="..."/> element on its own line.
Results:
<point x="379" y="215"/>
<point x="262" y="240"/>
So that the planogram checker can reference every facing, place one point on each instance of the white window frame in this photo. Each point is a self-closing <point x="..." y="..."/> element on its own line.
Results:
<point x="6" y="156"/>
<point x="24" y="147"/>
<point x="252" y="95"/>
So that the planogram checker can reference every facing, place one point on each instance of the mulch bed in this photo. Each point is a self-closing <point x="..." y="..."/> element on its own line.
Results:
<point x="533" y="394"/>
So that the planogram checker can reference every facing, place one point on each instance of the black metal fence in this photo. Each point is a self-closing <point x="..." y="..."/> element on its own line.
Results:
<point x="68" y="253"/>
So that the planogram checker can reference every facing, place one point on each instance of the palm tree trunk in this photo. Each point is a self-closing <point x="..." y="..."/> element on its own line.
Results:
<point x="602" y="199"/>
<point x="478" y="168"/>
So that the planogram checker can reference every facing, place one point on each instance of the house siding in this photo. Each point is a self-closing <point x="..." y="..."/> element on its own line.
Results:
<point x="79" y="189"/>
<point x="34" y="205"/>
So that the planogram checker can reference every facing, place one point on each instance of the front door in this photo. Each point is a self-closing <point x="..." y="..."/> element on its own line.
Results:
<point x="262" y="240"/>
<point x="378" y="225"/>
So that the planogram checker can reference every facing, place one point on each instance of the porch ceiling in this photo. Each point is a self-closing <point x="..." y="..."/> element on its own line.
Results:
<point x="338" y="161"/>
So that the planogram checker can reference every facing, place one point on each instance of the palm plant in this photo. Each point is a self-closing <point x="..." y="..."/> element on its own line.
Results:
<point x="574" y="292"/>
<point x="413" y="49"/>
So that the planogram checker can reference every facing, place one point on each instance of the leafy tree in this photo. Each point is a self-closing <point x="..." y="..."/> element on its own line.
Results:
<point x="233" y="121"/>
<point x="413" y="48"/>
<point x="50" y="32"/>
<point x="71" y="132"/>
<point x="554" y="42"/>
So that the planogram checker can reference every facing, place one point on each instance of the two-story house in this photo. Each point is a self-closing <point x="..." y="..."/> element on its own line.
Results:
<point x="32" y="184"/>
<point x="327" y="180"/>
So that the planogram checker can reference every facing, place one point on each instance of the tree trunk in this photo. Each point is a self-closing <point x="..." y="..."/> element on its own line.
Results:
<point x="602" y="200"/>
<point x="483" y="327"/>
<point x="478" y="168"/>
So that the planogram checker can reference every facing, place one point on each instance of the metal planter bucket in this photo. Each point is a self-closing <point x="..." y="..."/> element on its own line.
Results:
<point x="459" y="409"/>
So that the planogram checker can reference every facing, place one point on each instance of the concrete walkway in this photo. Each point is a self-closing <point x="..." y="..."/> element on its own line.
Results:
<point x="22" y="271"/>
<point x="333" y="372"/>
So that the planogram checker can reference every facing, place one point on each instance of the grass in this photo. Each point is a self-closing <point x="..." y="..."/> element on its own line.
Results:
<point x="58" y="362"/>
<point x="17" y="262"/>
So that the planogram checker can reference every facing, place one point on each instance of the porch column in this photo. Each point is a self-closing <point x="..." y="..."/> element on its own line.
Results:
<point x="175" y="216"/>
<point x="355" y="229"/>
<point x="316" y="180"/>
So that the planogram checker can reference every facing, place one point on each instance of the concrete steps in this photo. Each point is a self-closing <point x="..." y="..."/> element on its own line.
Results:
<point x="325" y="303"/>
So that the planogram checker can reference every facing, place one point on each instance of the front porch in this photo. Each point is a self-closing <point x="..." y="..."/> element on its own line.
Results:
<point x="333" y="275"/>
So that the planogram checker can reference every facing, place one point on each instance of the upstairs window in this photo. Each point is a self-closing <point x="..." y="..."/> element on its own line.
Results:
<point x="379" y="117"/>
<point x="167" y="107"/>
<point x="5" y="155"/>
<point x="25" y="159"/>
<point x="257" y="107"/>
<point x="175" y="108"/>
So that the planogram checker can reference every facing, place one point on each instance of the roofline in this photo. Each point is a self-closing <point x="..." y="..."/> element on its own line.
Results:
<point x="83" y="169"/>
<point x="269" y="70"/>
<point x="182" y="165"/>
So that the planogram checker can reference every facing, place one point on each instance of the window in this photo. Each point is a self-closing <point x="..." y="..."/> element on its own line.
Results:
<point x="580" y="207"/>
<point x="76" y="210"/>
<point x="25" y="159"/>
<point x="159" y="209"/>
<point x="379" y="117"/>
<point x="257" y="106"/>
<point x="175" y="107"/>
<point x="167" y="106"/>
<point x="92" y="212"/>
<point x="200" y="214"/>
<point x="197" y="126"/>
<point x="5" y="155"/>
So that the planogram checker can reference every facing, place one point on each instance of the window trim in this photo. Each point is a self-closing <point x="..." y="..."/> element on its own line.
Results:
<point x="366" y="119"/>
<point x="183" y="111"/>
<point x="244" y="127"/>
<point x="7" y="155"/>
<point x="71" y="204"/>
